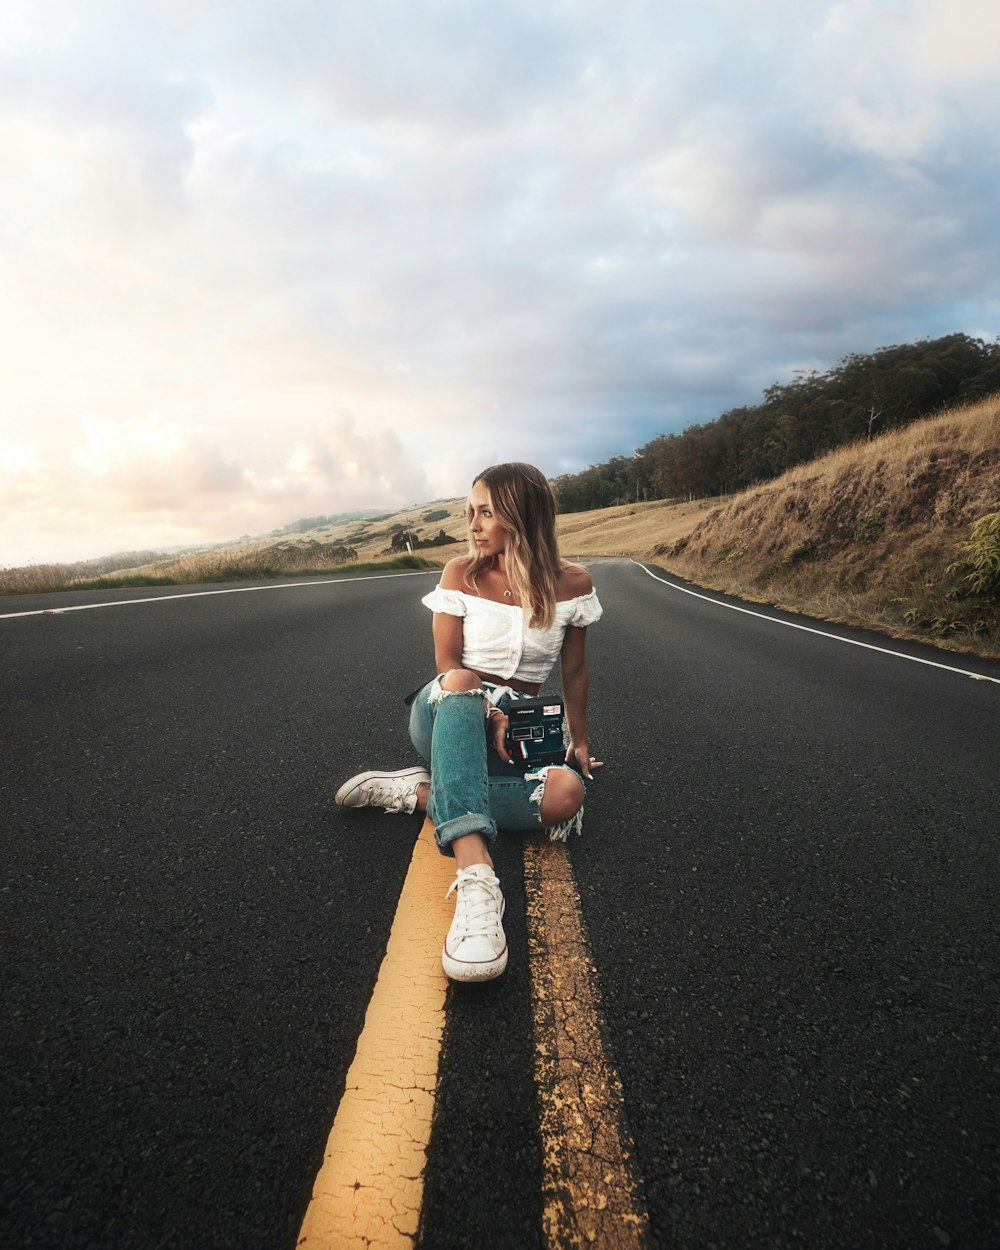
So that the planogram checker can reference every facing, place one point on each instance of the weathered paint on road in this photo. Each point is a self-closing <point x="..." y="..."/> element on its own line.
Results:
<point x="370" y="1187"/>
<point x="590" y="1191"/>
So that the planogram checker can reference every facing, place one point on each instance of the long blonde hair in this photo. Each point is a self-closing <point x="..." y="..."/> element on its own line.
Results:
<point x="523" y="503"/>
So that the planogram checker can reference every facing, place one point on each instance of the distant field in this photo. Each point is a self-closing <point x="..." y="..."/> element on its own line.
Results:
<point x="630" y="528"/>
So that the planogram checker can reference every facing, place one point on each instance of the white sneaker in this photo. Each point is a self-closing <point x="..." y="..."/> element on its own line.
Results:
<point x="475" y="948"/>
<point x="396" y="792"/>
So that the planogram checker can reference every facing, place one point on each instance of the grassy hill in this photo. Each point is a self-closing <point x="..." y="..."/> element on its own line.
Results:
<point x="875" y="533"/>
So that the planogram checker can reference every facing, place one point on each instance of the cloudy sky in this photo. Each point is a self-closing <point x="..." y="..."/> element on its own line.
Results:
<point x="263" y="259"/>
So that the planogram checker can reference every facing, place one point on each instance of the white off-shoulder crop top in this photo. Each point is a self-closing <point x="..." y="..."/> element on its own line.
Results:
<point x="497" y="639"/>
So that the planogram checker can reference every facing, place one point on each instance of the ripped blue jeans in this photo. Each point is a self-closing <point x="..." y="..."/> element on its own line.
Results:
<point x="472" y="789"/>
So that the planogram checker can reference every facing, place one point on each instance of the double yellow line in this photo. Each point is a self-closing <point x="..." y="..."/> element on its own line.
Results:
<point x="369" y="1189"/>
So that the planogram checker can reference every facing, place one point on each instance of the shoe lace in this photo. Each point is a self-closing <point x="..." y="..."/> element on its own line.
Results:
<point x="392" y="798"/>
<point x="478" y="908"/>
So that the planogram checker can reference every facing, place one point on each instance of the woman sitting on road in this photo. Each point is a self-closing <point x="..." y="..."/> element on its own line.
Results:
<point x="502" y="614"/>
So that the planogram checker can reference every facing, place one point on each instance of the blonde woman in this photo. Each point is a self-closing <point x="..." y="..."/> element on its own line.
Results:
<point x="503" y="614"/>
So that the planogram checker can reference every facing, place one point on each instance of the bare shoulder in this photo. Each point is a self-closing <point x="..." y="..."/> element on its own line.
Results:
<point x="574" y="581"/>
<point x="453" y="574"/>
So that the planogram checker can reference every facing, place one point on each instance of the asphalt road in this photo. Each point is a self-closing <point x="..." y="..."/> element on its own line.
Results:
<point x="789" y="872"/>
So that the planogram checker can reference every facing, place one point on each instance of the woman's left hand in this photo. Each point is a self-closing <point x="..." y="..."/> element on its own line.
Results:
<point x="497" y="734"/>
<point x="578" y="755"/>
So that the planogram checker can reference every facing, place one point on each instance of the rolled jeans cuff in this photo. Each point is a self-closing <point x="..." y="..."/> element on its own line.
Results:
<point x="459" y="826"/>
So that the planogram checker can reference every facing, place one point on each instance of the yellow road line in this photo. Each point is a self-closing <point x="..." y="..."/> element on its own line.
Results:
<point x="370" y="1186"/>
<point x="590" y="1193"/>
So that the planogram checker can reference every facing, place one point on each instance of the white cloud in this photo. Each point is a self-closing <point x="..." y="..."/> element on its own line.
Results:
<point x="910" y="81"/>
<point x="163" y="484"/>
<point x="145" y="465"/>
<point x="531" y="231"/>
<point x="338" y="461"/>
<point x="903" y="135"/>
<point x="956" y="43"/>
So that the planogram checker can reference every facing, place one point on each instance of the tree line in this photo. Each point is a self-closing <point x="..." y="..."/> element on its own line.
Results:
<point x="858" y="398"/>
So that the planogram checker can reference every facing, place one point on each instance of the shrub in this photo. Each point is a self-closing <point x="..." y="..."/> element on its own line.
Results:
<point x="979" y="568"/>
<point x="870" y="527"/>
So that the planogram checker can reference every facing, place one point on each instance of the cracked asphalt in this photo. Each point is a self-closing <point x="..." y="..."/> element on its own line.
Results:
<point x="788" y="875"/>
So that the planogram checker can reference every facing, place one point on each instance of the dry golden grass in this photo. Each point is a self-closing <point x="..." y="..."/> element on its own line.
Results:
<point x="866" y="534"/>
<point x="630" y="529"/>
<point x="35" y="579"/>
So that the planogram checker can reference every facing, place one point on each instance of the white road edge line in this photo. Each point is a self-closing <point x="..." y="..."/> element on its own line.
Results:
<point x="198" y="594"/>
<point x="776" y="620"/>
